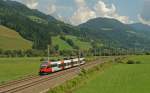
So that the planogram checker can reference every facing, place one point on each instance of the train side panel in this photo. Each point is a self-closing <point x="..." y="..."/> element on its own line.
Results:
<point x="75" y="62"/>
<point x="55" y="66"/>
<point x="82" y="61"/>
<point x="67" y="64"/>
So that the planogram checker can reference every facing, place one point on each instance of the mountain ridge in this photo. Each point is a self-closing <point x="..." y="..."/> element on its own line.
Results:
<point x="32" y="24"/>
<point x="115" y="32"/>
<point x="39" y="28"/>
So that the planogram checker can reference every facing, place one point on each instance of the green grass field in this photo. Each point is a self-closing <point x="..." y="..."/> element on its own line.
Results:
<point x="81" y="44"/>
<point x="61" y="43"/>
<point x="121" y="78"/>
<point x="14" y="68"/>
<point x="38" y="19"/>
<point x="11" y="40"/>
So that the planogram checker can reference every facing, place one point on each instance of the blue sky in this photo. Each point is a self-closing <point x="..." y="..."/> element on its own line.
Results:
<point x="79" y="11"/>
<point x="129" y="8"/>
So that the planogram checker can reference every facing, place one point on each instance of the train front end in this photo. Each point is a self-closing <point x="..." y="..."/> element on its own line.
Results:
<point x="45" y="68"/>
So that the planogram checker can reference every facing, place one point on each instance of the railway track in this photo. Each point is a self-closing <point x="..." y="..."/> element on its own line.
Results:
<point x="26" y="78"/>
<point x="31" y="81"/>
<point x="43" y="79"/>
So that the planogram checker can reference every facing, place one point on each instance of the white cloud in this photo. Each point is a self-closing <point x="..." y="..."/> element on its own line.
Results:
<point x="82" y="14"/>
<point x="142" y="20"/>
<point x="48" y="8"/>
<point x="80" y="3"/>
<point x="51" y="9"/>
<point x="102" y="10"/>
<point x="31" y="3"/>
<point x="123" y="19"/>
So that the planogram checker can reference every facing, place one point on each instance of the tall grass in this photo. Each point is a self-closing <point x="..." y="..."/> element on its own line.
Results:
<point x="82" y="79"/>
<point x="14" y="68"/>
<point x="121" y="78"/>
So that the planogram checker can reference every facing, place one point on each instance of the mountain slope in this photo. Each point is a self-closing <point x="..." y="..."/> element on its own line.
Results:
<point x="11" y="40"/>
<point x="140" y="27"/>
<point x="32" y="24"/>
<point x="82" y="45"/>
<point x="114" y="32"/>
<point x="64" y="45"/>
<point x="61" y="43"/>
<point x="105" y="23"/>
<point x="39" y="28"/>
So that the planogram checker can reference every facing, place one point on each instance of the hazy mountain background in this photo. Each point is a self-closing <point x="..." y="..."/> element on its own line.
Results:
<point x="40" y="28"/>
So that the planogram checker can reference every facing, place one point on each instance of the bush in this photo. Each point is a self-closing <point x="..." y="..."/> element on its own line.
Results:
<point x="63" y="37"/>
<point x="42" y="59"/>
<point x="130" y="62"/>
<point x="147" y="53"/>
<point x="133" y="62"/>
<point x="138" y="62"/>
<point x="119" y="61"/>
<point x="70" y="42"/>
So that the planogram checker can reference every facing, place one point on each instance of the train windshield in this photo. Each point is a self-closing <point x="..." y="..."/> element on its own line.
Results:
<point x="45" y="63"/>
<point x="43" y="66"/>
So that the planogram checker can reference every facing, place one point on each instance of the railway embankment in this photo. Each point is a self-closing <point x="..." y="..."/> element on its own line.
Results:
<point x="79" y="81"/>
<point x="59" y="79"/>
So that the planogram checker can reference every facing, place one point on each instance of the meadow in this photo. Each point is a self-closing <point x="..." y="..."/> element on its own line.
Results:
<point x="121" y="78"/>
<point x="11" y="40"/>
<point x="14" y="68"/>
<point x="62" y="44"/>
<point x="81" y="44"/>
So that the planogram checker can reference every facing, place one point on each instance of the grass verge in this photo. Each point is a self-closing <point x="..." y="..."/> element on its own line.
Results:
<point x="121" y="78"/>
<point x="84" y="77"/>
<point x="15" y="68"/>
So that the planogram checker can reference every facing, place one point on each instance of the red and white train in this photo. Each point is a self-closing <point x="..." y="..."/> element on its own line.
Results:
<point x="48" y="67"/>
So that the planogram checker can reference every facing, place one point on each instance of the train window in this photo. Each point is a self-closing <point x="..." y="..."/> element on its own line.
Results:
<point x="60" y="65"/>
<point x="72" y="63"/>
<point x="54" y="65"/>
<point x="49" y="66"/>
<point x="54" y="60"/>
<point x="75" y="62"/>
<point x="66" y="58"/>
<point x="43" y="67"/>
<point x="68" y="64"/>
<point x="45" y="62"/>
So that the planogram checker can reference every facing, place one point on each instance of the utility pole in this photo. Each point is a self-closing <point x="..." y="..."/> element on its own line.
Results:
<point x="48" y="52"/>
<point x="79" y="61"/>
